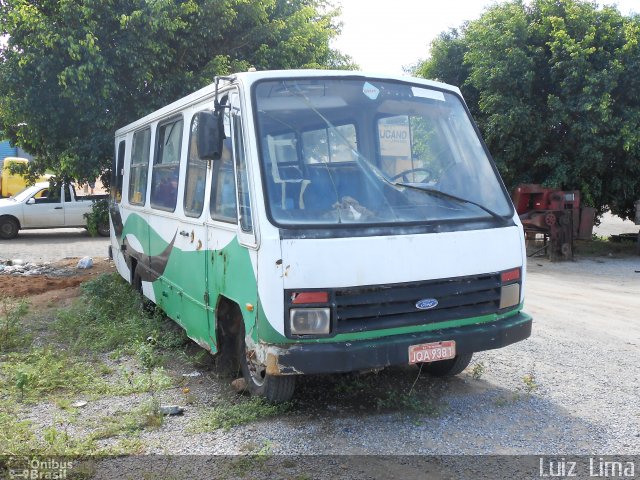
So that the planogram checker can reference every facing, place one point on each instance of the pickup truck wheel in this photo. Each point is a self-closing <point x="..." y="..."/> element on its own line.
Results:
<point x="103" y="230"/>
<point x="8" y="228"/>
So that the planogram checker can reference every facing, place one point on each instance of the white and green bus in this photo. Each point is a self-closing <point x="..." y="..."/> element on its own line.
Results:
<point x="306" y="222"/>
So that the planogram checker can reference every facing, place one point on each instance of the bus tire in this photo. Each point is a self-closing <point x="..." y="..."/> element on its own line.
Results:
<point x="274" y="388"/>
<point x="448" y="368"/>
<point x="9" y="228"/>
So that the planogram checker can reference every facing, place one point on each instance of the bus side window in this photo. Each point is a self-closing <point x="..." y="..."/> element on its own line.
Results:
<point x="139" y="167"/>
<point x="117" y="172"/>
<point x="193" y="201"/>
<point x="223" y="188"/>
<point x="166" y="165"/>
<point x="246" y="223"/>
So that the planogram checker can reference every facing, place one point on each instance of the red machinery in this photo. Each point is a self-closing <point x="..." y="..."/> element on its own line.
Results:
<point x="555" y="214"/>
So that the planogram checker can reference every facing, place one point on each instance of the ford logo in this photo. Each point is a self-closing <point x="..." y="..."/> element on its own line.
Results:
<point x="427" y="303"/>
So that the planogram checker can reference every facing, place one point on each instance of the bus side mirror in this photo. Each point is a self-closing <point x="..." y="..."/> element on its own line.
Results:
<point x="210" y="134"/>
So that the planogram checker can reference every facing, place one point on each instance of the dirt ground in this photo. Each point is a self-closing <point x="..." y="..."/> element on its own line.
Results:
<point x="41" y="289"/>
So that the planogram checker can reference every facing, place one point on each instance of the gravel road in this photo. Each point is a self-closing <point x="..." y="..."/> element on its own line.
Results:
<point x="49" y="245"/>
<point x="581" y="398"/>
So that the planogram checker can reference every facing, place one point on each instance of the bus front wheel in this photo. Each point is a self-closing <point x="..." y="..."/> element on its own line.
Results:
<point x="274" y="388"/>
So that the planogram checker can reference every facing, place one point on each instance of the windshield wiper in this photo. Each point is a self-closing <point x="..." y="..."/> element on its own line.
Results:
<point x="438" y="193"/>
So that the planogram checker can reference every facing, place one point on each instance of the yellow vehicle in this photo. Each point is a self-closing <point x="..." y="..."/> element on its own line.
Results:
<point x="10" y="184"/>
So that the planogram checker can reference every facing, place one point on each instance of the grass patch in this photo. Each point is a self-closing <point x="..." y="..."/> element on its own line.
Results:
<point x="130" y="381"/>
<point x="604" y="246"/>
<point x="12" y="334"/>
<point x="226" y="416"/>
<point x="477" y="371"/>
<point x="385" y="391"/>
<point x="407" y="401"/>
<point x="109" y="316"/>
<point x="43" y="373"/>
<point x="17" y="438"/>
<point x="147" y="415"/>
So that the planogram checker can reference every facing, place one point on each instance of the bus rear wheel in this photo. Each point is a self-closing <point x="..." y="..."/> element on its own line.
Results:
<point x="448" y="368"/>
<point x="274" y="388"/>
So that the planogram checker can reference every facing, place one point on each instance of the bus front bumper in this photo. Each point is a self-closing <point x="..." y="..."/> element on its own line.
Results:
<point x="314" y="358"/>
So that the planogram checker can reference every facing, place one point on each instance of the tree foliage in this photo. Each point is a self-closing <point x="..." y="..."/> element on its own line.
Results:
<point x="555" y="88"/>
<point x="73" y="71"/>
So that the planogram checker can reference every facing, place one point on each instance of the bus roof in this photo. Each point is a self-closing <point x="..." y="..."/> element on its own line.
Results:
<point x="248" y="78"/>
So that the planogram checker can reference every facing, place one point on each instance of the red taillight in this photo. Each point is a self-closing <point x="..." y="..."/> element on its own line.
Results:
<point x="510" y="275"/>
<point x="310" y="297"/>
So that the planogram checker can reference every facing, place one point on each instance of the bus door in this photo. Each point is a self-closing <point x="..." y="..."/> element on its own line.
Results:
<point x="231" y="273"/>
<point x="165" y="240"/>
<point x="193" y="244"/>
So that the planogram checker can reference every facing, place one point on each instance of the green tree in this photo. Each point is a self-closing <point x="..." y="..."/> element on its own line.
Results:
<point x="555" y="88"/>
<point x="73" y="71"/>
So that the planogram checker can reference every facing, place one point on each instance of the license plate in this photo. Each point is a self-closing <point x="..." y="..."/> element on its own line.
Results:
<point x="432" y="352"/>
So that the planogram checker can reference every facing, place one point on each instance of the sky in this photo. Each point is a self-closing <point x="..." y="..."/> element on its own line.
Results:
<point x="385" y="36"/>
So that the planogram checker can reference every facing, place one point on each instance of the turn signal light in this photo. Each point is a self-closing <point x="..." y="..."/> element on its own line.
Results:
<point x="309" y="297"/>
<point x="510" y="275"/>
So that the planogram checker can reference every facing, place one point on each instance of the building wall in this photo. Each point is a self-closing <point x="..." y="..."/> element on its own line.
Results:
<point x="6" y="150"/>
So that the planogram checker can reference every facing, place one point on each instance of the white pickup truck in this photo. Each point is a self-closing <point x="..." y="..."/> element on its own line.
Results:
<point x="40" y="206"/>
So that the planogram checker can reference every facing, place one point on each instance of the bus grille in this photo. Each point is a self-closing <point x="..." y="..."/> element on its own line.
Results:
<point x="388" y="306"/>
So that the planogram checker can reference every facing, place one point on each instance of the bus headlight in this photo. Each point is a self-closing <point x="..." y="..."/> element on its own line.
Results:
<point x="510" y="289"/>
<point x="509" y="295"/>
<point x="310" y="321"/>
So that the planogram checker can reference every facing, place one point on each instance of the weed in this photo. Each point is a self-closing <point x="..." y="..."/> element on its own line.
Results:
<point x="477" y="371"/>
<point x="23" y="379"/>
<point x="601" y="246"/>
<point x="146" y="415"/>
<point x="254" y="463"/>
<point x="503" y="401"/>
<point x="63" y="403"/>
<point x="12" y="335"/>
<point x="522" y="391"/>
<point x="18" y="438"/>
<point x="530" y="384"/>
<point x="129" y="382"/>
<point x="98" y="216"/>
<point x="147" y="355"/>
<point x="266" y="449"/>
<point x="41" y="372"/>
<point x="199" y="358"/>
<point x="393" y="400"/>
<point x="350" y="385"/>
<point x="226" y="416"/>
<point x="14" y="434"/>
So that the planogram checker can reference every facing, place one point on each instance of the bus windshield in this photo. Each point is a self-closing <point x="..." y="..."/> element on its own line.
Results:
<point x="366" y="151"/>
